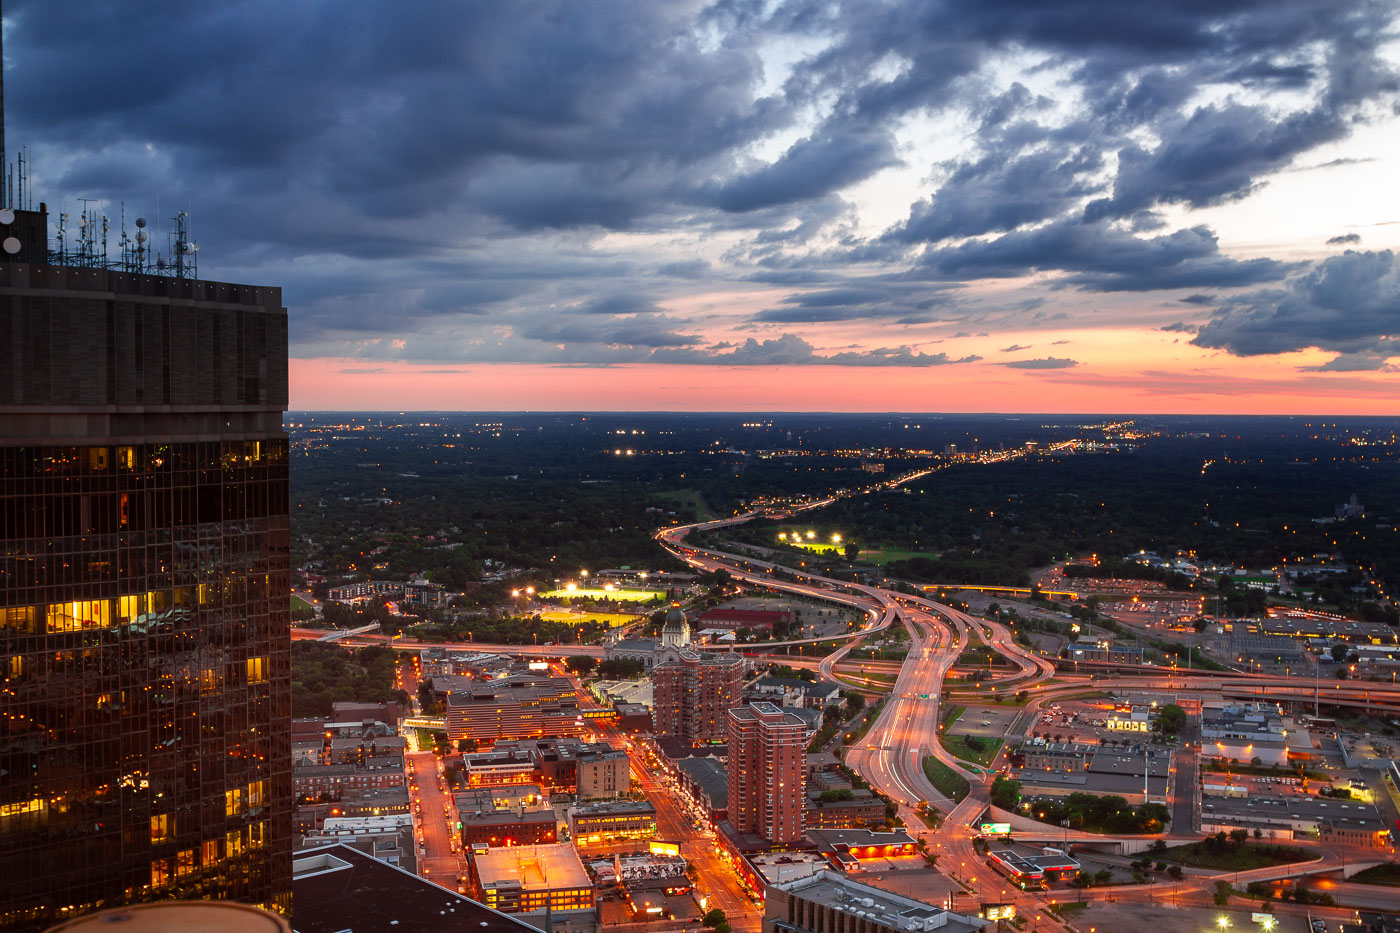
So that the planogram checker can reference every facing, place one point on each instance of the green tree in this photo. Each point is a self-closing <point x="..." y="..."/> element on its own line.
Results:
<point x="1006" y="793"/>
<point x="713" y="917"/>
<point x="581" y="664"/>
<point x="852" y="550"/>
<point x="1222" y="893"/>
<point x="1172" y="719"/>
<point x="1339" y="651"/>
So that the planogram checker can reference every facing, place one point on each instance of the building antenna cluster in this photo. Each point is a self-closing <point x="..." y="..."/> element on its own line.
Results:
<point x="82" y="241"/>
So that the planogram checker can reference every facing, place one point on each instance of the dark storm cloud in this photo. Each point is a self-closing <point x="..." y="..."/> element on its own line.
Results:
<point x="1180" y="327"/>
<point x="402" y="167"/>
<point x="643" y="330"/>
<point x="792" y="350"/>
<point x="620" y="303"/>
<point x="810" y="169"/>
<point x="1100" y="257"/>
<point x="1344" y="240"/>
<point x="1347" y="304"/>
<point x="896" y="299"/>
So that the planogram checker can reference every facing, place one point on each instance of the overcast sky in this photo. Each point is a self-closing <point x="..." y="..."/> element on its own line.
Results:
<point x="1004" y="205"/>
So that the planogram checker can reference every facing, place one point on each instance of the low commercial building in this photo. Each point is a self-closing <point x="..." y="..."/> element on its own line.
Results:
<point x="1033" y="871"/>
<point x="504" y="766"/>
<point x="1297" y="816"/>
<point x="760" y="621"/>
<point x="707" y="781"/>
<point x="779" y="867"/>
<point x="1104" y="770"/>
<point x="791" y="691"/>
<point x="499" y="797"/>
<point x="1116" y="654"/>
<point x="509" y="827"/>
<point x="845" y="848"/>
<point x="1230" y="720"/>
<point x="603" y="771"/>
<point x="532" y="882"/>
<point x="633" y="717"/>
<point x="372" y="801"/>
<point x="332" y="781"/>
<point x="860" y="809"/>
<point x="828" y="902"/>
<point x="514" y="706"/>
<point x="1244" y="732"/>
<point x="1136" y="719"/>
<point x="628" y="819"/>
<point x="1053" y="756"/>
<point x="1246" y="751"/>
<point x="387" y="838"/>
<point x="350" y="749"/>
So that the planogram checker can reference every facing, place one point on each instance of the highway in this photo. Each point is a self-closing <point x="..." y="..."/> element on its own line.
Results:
<point x="891" y="755"/>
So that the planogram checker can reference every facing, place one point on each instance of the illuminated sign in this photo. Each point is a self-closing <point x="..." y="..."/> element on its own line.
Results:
<point x="999" y="911"/>
<point x="995" y="829"/>
<point x="664" y="848"/>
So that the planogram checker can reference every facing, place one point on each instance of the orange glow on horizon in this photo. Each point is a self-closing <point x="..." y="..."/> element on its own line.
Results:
<point x="1216" y="385"/>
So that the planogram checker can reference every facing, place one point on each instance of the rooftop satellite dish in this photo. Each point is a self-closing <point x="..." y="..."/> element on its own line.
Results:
<point x="140" y="236"/>
<point x="7" y="216"/>
<point x="11" y="245"/>
<point x="140" y="221"/>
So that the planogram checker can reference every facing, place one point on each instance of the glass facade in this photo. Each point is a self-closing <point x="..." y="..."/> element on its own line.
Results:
<point x="145" y="683"/>
<point x="144" y="738"/>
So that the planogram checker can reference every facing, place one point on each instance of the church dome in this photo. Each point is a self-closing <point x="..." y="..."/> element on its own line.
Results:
<point x="675" y="617"/>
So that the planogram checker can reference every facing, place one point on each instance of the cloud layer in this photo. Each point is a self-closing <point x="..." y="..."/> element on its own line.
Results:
<point x="734" y="182"/>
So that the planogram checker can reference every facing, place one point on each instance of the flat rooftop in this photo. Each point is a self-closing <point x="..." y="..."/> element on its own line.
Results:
<point x="547" y="867"/>
<point x="613" y="806"/>
<point x="338" y="888"/>
<point x="840" y="893"/>
<point x="1295" y="807"/>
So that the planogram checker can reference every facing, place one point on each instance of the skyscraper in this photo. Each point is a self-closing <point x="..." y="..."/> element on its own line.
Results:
<point x="767" y="772"/>
<point x="144" y="586"/>
<point x="692" y="691"/>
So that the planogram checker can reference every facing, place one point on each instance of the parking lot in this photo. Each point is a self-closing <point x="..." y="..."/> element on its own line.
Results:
<point x="985" y="721"/>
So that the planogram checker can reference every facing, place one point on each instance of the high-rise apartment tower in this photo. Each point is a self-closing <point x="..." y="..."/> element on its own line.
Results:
<point x="144" y="579"/>
<point x="767" y="772"/>
<point x="692" y="691"/>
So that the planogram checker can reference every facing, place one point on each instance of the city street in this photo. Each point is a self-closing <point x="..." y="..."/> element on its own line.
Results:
<point x="438" y="858"/>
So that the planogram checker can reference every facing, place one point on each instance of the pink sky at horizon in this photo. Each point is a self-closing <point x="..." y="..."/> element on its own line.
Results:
<point x="1267" y="386"/>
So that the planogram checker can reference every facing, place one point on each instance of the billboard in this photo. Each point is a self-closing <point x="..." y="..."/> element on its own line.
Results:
<point x="999" y="911"/>
<point x="664" y="848"/>
<point x="995" y="829"/>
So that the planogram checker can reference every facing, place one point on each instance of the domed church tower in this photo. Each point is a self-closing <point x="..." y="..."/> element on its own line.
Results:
<point x="675" y="632"/>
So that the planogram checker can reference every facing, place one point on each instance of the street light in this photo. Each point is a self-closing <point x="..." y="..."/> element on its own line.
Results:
<point x="1223" y="922"/>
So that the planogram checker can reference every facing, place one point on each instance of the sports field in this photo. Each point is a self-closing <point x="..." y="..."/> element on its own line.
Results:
<point x="620" y="594"/>
<point x="610" y="619"/>
<point x="815" y="547"/>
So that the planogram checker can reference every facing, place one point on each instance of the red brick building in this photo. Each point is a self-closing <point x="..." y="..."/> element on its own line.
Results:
<point x="755" y="620"/>
<point x="767" y="773"/>
<point x="692" y="692"/>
